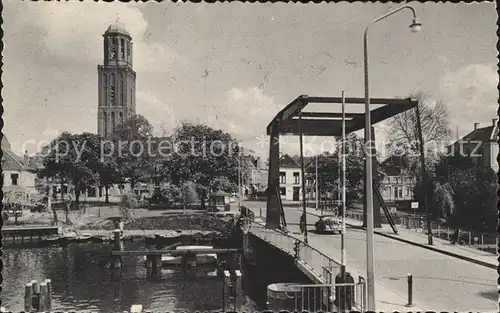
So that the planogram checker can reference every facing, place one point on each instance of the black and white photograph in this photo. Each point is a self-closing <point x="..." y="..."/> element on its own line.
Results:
<point x="166" y="156"/>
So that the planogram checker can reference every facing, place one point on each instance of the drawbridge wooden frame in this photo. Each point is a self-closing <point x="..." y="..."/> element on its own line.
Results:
<point x="287" y="122"/>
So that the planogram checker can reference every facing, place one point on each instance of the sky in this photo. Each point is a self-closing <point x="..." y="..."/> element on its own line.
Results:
<point x="235" y="65"/>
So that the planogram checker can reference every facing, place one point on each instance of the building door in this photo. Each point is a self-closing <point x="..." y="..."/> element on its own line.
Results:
<point x="296" y="192"/>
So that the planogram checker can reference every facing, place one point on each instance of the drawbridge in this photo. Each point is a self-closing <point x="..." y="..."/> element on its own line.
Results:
<point x="293" y="120"/>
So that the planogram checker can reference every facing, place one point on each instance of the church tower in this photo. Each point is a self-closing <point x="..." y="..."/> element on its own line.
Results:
<point x="116" y="80"/>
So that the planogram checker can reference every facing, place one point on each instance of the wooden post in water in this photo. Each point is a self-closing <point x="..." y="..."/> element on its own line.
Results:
<point x="157" y="265"/>
<point x="238" y="290"/>
<point x="36" y="288"/>
<point x="43" y="298"/>
<point x="49" y="293"/>
<point x="116" y="260"/>
<point x="28" y="297"/>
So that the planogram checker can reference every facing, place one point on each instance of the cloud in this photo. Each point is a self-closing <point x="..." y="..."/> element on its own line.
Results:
<point x="247" y="109"/>
<point x="161" y="115"/>
<point x="471" y="94"/>
<point x="74" y="31"/>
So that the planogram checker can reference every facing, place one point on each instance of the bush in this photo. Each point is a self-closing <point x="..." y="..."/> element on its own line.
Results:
<point x="5" y="216"/>
<point x="189" y="193"/>
<point x="128" y="202"/>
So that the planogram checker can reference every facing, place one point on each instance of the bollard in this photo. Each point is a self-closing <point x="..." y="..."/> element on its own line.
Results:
<point x="49" y="293"/>
<point x="260" y="212"/>
<point x="43" y="298"/>
<point x="28" y="297"/>
<point x="117" y="240"/>
<point x="410" y="290"/>
<point x="238" y="290"/>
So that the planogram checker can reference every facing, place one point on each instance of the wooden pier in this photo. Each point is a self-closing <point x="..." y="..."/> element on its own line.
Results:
<point x="174" y="252"/>
<point x="28" y="234"/>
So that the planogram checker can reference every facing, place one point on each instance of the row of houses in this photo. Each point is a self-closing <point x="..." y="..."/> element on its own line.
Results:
<point x="397" y="184"/>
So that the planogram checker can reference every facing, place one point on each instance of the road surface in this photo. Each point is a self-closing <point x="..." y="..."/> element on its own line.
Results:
<point x="440" y="282"/>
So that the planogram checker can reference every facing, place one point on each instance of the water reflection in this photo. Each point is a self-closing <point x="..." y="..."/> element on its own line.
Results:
<point x="81" y="283"/>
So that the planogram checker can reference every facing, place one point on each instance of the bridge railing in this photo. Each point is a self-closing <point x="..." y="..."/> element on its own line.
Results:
<point x="328" y="297"/>
<point x="481" y="241"/>
<point x="318" y="262"/>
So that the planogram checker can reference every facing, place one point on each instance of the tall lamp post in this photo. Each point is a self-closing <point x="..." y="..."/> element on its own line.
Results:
<point x="415" y="27"/>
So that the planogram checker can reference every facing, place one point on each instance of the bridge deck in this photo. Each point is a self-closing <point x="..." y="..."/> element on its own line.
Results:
<point x="440" y="282"/>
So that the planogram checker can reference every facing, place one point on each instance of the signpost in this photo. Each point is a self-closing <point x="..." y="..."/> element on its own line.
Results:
<point x="414" y="206"/>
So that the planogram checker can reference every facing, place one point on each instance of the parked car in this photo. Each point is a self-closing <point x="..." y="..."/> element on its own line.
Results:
<point x="328" y="223"/>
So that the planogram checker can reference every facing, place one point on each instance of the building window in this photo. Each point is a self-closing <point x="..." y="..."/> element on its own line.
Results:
<point x="296" y="177"/>
<point x="112" y="90"/>
<point x="113" y="124"/>
<point x="121" y="118"/>
<point x="122" y="92"/>
<point x="129" y="48"/>
<point x="282" y="178"/>
<point x="283" y="191"/>
<point x="105" y="118"/>
<point x="105" y="79"/>
<point x="408" y="191"/>
<point x="122" y="49"/>
<point x="396" y="192"/>
<point x="14" y="178"/>
<point x="400" y="192"/>
<point x="113" y="54"/>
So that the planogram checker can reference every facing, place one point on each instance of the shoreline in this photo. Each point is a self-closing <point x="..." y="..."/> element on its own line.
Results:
<point x="151" y="237"/>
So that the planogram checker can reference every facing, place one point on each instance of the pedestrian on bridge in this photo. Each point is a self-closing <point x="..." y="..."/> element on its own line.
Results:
<point x="302" y="223"/>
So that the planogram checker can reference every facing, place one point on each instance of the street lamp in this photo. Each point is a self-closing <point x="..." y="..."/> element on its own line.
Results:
<point x="415" y="26"/>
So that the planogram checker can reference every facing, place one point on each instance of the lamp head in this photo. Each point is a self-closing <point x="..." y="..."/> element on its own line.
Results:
<point x="415" y="26"/>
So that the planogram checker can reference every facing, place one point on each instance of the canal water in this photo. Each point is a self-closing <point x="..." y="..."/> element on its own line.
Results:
<point x="80" y="283"/>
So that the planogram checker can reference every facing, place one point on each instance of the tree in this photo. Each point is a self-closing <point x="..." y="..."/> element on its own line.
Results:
<point x="222" y="183"/>
<point x="189" y="194"/>
<point x="108" y="170"/>
<point x="128" y="203"/>
<point x="403" y="131"/>
<point x="202" y="153"/>
<point x="172" y="193"/>
<point x="15" y="198"/>
<point x="131" y="141"/>
<point x="328" y="168"/>
<point x="463" y="193"/>
<point x="76" y="157"/>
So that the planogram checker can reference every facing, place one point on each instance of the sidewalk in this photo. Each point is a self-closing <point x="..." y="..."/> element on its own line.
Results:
<point x="385" y="299"/>
<point x="420" y="239"/>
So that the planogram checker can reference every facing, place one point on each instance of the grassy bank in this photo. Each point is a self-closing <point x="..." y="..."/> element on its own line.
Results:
<point x="101" y="218"/>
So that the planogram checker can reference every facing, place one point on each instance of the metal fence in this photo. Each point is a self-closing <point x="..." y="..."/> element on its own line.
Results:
<point x="318" y="296"/>
<point x="478" y="240"/>
<point x="328" y="297"/>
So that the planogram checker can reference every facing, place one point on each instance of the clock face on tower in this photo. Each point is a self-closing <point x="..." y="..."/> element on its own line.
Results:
<point x="116" y="80"/>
